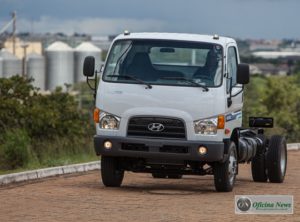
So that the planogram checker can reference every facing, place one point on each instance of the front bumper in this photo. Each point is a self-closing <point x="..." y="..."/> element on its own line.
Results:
<point x="163" y="149"/>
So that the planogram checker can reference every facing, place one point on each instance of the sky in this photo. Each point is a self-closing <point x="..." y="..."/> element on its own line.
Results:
<point x="268" y="19"/>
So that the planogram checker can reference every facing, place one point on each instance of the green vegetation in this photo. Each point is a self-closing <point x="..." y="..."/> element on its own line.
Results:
<point x="278" y="97"/>
<point x="42" y="130"/>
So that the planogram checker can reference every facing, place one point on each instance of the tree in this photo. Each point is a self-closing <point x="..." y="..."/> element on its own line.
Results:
<point x="276" y="97"/>
<point x="282" y="101"/>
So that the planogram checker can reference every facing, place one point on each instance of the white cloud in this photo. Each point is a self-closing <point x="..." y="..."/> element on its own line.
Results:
<point x="94" y="26"/>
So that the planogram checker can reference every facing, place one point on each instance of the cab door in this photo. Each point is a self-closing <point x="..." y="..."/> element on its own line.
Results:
<point x="234" y="91"/>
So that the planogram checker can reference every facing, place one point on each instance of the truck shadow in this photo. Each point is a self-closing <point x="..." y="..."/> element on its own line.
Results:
<point x="145" y="184"/>
<point x="189" y="185"/>
<point x="167" y="189"/>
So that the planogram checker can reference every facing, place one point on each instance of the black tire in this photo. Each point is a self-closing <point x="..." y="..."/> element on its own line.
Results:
<point x="258" y="163"/>
<point x="159" y="175"/>
<point x="174" y="176"/>
<point x="111" y="175"/>
<point x="276" y="159"/>
<point x="223" y="177"/>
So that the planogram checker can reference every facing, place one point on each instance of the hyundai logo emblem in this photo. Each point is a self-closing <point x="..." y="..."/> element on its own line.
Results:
<point x="156" y="127"/>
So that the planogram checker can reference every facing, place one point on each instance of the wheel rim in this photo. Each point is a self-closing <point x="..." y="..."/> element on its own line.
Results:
<point x="232" y="166"/>
<point x="282" y="160"/>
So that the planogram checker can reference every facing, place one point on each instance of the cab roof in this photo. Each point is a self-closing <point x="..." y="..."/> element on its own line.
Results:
<point x="177" y="36"/>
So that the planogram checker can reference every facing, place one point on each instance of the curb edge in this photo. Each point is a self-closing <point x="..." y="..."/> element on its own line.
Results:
<point x="48" y="172"/>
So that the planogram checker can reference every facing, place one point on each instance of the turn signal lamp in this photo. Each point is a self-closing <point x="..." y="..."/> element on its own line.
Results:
<point x="96" y="115"/>
<point x="221" y="122"/>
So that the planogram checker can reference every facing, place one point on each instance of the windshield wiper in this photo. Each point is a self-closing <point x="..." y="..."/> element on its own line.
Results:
<point x="149" y="86"/>
<point x="187" y="80"/>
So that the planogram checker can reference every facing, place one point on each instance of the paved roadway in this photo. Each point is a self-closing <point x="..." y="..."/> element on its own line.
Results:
<point x="81" y="197"/>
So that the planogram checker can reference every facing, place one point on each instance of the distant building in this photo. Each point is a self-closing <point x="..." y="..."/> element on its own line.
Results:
<point x="72" y="41"/>
<point x="269" y="69"/>
<point x="59" y="65"/>
<point x="276" y="54"/>
<point x="264" y="45"/>
<point x="102" y="42"/>
<point x="33" y="47"/>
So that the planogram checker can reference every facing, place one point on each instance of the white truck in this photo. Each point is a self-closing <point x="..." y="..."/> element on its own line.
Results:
<point x="171" y="104"/>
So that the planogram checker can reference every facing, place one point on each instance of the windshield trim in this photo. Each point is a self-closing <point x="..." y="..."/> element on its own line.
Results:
<point x="163" y="40"/>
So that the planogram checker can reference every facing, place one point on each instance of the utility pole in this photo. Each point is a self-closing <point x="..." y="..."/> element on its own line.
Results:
<point x="24" y="46"/>
<point x="14" y="18"/>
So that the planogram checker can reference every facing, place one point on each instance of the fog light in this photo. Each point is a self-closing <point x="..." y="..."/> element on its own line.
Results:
<point x="107" y="145"/>
<point x="202" y="150"/>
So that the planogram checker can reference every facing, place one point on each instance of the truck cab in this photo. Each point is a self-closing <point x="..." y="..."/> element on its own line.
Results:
<point x="170" y="104"/>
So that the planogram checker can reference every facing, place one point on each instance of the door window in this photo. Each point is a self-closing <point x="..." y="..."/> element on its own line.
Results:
<point x="231" y="66"/>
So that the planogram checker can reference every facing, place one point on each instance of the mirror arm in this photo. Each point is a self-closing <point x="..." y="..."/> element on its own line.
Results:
<point x="229" y="100"/>
<point x="238" y="92"/>
<point x="89" y="84"/>
<point x="94" y="88"/>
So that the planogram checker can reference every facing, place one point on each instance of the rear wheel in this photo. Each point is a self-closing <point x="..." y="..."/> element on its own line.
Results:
<point x="276" y="159"/>
<point x="258" y="164"/>
<point x="225" y="173"/>
<point x="112" y="175"/>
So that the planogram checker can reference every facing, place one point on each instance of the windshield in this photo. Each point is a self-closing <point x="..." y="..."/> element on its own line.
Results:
<point x="162" y="62"/>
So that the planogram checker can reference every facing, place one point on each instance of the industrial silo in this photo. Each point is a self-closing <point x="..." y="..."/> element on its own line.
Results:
<point x="81" y="51"/>
<point x="1" y="67"/>
<point x="36" y="70"/>
<point x="59" y="65"/>
<point x="11" y="65"/>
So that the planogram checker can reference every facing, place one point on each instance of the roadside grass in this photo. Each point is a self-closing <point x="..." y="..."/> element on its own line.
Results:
<point x="61" y="161"/>
<point x="19" y="152"/>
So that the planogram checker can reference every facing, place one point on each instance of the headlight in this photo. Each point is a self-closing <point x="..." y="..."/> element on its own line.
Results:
<point x="109" y="121"/>
<point x="206" y="126"/>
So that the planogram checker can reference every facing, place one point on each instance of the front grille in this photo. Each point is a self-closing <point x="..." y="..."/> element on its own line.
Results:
<point x="173" y="149"/>
<point x="135" y="147"/>
<point x="173" y="128"/>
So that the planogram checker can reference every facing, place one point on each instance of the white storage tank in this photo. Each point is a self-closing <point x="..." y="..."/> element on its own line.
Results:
<point x="11" y="65"/>
<point x="1" y="67"/>
<point x="36" y="70"/>
<point x="81" y="51"/>
<point x="59" y="65"/>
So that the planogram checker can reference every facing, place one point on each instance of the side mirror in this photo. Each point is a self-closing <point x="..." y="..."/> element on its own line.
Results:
<point x="243" y="74"/>
<point x="89" y="66"/>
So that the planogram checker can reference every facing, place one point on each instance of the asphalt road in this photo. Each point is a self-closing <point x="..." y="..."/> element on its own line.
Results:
<point x="81" y="197"/>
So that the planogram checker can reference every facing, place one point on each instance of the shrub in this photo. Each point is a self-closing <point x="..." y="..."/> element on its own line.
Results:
<point x="40" y="127"/>
<point x="14" y="149"/>
<point x="42" y="116"/>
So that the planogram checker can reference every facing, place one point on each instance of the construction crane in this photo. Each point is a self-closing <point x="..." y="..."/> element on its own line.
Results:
<point x="13" y="23"/>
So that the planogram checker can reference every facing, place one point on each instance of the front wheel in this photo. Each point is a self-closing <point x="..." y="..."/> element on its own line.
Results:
<point x="225" y="173"/>
<point x="112" y="175"/>
<point x="276" y="159"/>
